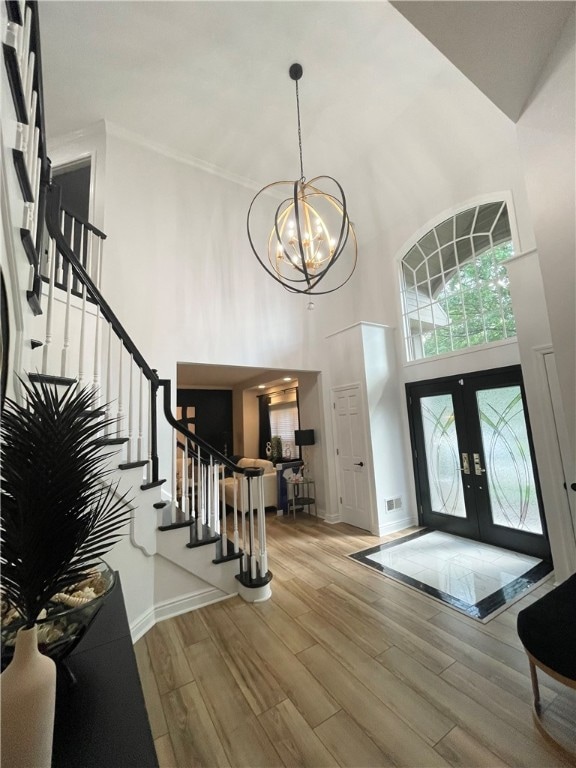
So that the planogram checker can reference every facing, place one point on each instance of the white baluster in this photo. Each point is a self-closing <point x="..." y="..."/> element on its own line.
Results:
<point x="174" y="505"/>
<point x="120" y="410"/>
<point x="24" y="48"/>
<point x="36" y="207"/>
<point x="185" y="505"/>
<point x="224" y="522"/>
<point x="97" y="350"/>
<point x="13" y="35"/>
<point x="28" y="81"/>
<point x="108" y="403"/>
<point x="263" y="555"/>
<point x="59" y="274"/>
<point x="194" y="489"/>
<point x="201" y="499"/>
<point x="29" y="135"/>
<point x="253" y="562"/>
<point x="21" y="143"/>
<point x="51" y="267"/>
<point x="139" y="446"/>
<point x="67" y="315"/>
<point x="130" y="409"/>
<point x="235" y="495"/>
<point x="33" y="168"/>
<point x="243" y="489"/>
<point x="149" y="466"/>
<point x="81" y="371"/>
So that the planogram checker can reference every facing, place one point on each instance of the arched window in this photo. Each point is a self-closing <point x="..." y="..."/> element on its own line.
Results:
<point x="455" y="286"/>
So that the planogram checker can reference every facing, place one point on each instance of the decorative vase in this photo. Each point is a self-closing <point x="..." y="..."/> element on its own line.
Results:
<point x="28" y="696"/>
<point x="66" y="618"/>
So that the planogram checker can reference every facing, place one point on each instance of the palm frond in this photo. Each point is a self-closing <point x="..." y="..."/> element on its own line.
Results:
<point x="56" y="515"/>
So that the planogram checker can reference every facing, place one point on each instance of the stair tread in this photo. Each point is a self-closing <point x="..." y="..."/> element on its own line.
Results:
<point x="154" y="484"/>
<point x="48" y="379"/>
<point x="133" y="464"/>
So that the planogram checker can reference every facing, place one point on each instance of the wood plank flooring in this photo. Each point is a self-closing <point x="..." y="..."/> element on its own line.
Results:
<point x="342" y="667"/>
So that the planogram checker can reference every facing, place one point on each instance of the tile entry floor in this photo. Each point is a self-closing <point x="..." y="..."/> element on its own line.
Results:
<point x="473" y="577"/>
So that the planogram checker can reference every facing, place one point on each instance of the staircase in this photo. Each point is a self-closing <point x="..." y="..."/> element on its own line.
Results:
<point x="66" y="332"/>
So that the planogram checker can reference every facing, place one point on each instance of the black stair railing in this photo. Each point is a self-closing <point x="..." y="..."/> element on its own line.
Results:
<point x="253" y="563"/>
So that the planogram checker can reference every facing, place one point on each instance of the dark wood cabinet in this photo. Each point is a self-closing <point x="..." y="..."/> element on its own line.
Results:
<point x="101" y="719"/>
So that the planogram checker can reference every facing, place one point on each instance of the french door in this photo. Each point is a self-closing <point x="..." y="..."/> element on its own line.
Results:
<point x="472" y="448"/>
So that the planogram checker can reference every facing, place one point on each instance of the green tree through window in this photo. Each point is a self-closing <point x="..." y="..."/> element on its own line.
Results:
<point x="477" y="302"/>
<point x="455" y="283"/>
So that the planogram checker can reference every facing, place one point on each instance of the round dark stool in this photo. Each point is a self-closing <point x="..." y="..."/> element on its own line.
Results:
<point x="547" y="630"/>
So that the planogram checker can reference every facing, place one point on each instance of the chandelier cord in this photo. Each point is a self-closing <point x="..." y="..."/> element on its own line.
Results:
<point x="302" y="177"/>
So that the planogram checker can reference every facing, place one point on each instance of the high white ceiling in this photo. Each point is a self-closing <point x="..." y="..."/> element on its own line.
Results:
<point x="501" y="47"/>
<point x="209" y="80"/>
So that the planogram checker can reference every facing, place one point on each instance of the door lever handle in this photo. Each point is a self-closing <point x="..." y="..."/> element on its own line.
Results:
<point x="359" y="464"/>
<point x="465" y="464"/>
<point x="478" y="470"/>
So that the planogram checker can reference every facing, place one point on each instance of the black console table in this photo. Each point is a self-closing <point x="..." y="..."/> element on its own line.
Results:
<point x="101" y="720"/>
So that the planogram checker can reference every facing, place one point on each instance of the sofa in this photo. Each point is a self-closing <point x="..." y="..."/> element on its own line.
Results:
<point x="269" y="480"/>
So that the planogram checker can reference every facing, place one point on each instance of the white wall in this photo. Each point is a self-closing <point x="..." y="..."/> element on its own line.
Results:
<point x="547" y="139"/>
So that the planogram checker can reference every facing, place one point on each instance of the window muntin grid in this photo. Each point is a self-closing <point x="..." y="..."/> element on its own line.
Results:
<point x="454" y="286"/>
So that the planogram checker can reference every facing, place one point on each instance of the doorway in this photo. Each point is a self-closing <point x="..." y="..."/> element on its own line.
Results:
<point x="473" y="459"/>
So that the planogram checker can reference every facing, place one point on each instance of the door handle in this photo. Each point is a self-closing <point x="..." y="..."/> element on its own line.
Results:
<point x="478" y="470"/>
<point x="359" y="464"/>
<point x="465" y="464"/>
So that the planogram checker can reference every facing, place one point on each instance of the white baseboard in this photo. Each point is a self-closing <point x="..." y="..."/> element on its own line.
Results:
<point x="142" y="624"/>
<point x="396" y="525"/>
<point x="170" y="608"/>
<point x="332" y="517"/>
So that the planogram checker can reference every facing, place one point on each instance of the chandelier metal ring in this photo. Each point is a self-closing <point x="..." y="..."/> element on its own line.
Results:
<point x="310" y="232"/>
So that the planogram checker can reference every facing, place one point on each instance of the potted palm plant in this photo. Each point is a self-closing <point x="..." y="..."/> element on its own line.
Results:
<point x="58" y="517"/>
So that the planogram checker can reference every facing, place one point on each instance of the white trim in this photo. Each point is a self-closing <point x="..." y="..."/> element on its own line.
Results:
<point x="492" y="197"/>
<point x="176" y="607"/>
<point x="167" y="609"/>
<point x="142" y="624"/>
<point x="365" y="417"/>
<point x="399" y="524"/>
<point x="513" y="340"/>
<point x="517" y="256"/>
<point x="194" y="162"/>
<point x="561" y="523"/>
<point x="360" y="323"/>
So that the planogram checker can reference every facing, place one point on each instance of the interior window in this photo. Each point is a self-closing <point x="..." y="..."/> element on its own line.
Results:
<point x="283" y="422"/>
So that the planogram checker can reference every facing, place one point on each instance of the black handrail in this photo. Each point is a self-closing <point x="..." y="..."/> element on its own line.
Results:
<point x="53" y="225"/>
<point x="84" y="222"/>
<point x="166" y="384"/>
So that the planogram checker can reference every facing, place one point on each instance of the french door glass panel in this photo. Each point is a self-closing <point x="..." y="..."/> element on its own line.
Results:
<point x="442" y="458"/>
<point x="511" y="484"/>
<point x="473" y="459"/>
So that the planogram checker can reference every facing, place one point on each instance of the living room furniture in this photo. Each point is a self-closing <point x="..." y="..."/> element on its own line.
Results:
<point x="101" y="719"/>
<point x="547" y="630"/>
<point x="268" y="478"/>
<point x="284" y="471"/>
<point x="301" y="493"/>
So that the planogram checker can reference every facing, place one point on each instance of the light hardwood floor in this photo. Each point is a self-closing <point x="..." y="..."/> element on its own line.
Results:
<point x="342" y="667"/>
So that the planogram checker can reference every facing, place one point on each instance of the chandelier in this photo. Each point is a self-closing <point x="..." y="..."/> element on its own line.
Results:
<point x="312" y="235"/>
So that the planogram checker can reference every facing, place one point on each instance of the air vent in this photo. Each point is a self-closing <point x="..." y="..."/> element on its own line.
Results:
<point x="392" y="504"/>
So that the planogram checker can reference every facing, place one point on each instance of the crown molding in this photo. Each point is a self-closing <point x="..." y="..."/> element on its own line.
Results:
<point x="202" y="165"/>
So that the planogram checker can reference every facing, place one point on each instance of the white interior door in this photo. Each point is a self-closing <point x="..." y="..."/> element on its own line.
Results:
<point x="351" y="457"/>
